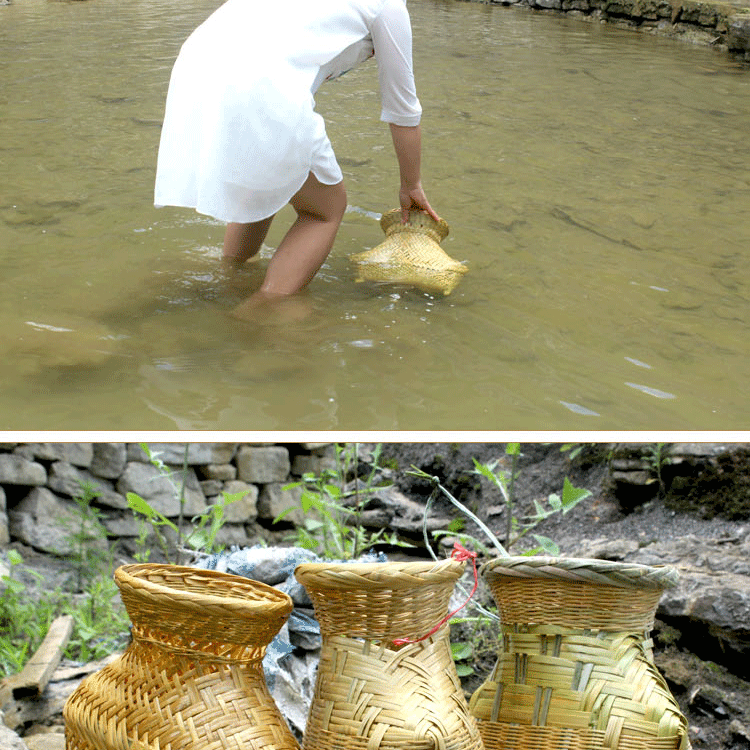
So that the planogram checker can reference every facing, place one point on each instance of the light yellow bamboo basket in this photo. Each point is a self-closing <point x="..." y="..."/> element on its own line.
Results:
<point x="192" y="676"/>
<point x="372" y="693"/>
<point x="575" y="667"/>
<point x="411" y="254"/>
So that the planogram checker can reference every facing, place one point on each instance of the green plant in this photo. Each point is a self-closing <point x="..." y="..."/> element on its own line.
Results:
<point x="505" y="481"/>
<point x="87" y="538"/>
<point x="332" y="514"/>
<point x="100" y="622"/>
<point x="477" y="646"/>
<point x="588" y="454"/>
<point x="463" y="654"/>
<point x="202" y="537"/>
<point x="455" y="530"/>
<point x="657" y="457"/>
<point x="23" y="621"/>
<point x="517" y="527"/>
<point x="205" y="525"/>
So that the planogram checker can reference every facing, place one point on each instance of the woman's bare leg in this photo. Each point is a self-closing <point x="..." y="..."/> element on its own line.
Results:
<point x="243" y="241"/>
<point x="320" y="209"/>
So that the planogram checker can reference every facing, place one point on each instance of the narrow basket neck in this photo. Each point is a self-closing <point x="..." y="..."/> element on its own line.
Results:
<point x="575" y="605"/>
<point x="419" y="222"/>
<point x="205" y="649"/>
<point x="193" y="606"/>
<point x="395" y="229"/>
<point x="574" y="593"/>
<point x="383" y="601"/>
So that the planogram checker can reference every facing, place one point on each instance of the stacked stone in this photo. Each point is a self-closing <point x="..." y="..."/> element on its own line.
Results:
<point x="38" y="482"/>
<point x="718" y="23"/>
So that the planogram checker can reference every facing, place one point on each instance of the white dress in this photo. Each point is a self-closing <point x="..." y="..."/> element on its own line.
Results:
<point x="240" y="132"/>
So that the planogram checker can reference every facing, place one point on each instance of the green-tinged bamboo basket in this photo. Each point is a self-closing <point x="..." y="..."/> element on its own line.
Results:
<point x="192" y="677"/>
<point x="575" y="667"/>
<point x="411" y="254"/>
<point x="372" y="693"/>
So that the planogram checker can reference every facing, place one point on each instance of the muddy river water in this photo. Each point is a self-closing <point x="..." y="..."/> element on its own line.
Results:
<point x="596" y="184"/>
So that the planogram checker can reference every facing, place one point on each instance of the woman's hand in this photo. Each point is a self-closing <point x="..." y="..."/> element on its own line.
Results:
<point x="414" y="198"/>
<point x="407" y="141"/>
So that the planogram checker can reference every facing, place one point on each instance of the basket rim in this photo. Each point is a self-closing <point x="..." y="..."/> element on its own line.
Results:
<point x="386" y="575"/>
<point x="583" y="569"/>
<point x="394" y="216"/>
<point x="135" y="577"/>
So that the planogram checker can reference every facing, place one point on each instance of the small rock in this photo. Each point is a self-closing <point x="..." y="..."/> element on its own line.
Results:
<point x="740" y="733"/>
<point x="9" y="740"/>
<point x="46" y="741"/>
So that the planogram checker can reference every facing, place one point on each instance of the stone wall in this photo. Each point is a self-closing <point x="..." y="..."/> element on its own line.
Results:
<point x="38" y="482"/>
<point x="725" y="25"/>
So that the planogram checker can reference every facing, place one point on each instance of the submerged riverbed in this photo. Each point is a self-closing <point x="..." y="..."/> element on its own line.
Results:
<point x="596" y="185"/>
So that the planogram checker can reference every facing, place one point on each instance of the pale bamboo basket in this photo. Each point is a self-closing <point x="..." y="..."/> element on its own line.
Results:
<point x="192" y="677"/>
<point x="371" y="693"/>
<point x="575" y="665"/>
<point x="411" y="254"/>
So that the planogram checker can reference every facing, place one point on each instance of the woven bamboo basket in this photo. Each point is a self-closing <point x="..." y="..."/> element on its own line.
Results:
<point x="192" y="677"/>
<point x="372" y="693"/>
<point x="411" y="254"/>
<point x="575" y="667"/>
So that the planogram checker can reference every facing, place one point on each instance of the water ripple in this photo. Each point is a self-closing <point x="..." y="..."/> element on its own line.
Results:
<point x="651" y="391"/>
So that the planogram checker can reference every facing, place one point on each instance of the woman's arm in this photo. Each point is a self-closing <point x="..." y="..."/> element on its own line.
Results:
<point x="407" y="142"/>
<point x="392" y="39"/>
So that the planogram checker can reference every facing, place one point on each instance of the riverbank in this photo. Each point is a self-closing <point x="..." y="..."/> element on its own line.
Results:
<point x="723" y="24"/>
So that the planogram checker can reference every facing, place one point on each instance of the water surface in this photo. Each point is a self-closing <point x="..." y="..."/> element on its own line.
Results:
<point x="596" y="185"/>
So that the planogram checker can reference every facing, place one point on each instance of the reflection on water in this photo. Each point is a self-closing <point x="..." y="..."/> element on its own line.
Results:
<point x="596" y="185"/>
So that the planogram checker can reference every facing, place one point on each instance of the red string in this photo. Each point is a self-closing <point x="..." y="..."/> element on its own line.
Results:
<point x="461" y="554"/>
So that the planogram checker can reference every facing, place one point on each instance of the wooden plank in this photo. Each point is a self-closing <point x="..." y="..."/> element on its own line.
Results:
<point x="35" y="675"/>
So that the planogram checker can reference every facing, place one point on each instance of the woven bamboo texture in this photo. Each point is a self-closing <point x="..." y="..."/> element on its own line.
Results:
<point x="411" y="254"/>
<point x="575" y="666"/>
<point x="192" y="676"/>
<point x="371" y="694"/>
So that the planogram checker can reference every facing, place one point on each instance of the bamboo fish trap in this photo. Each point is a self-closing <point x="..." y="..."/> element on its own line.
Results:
<point x="192" y="677"/>
<point x="575" y="667"/>
<point x="372" y="693"/>
<point x="411" y="254"/>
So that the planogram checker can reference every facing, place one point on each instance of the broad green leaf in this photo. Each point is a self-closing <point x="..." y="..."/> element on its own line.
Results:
<point x="461" y="650"/>
<point x="14" y="557"/>
<point x="232" y="497"/>
<point x="312" y="524"/>
<point x="199" y="539"/>
<point x="309" y="500"/>
<point x="547" y="545"/>
<point x="139" y="505"/>
<point x="333" y="490"/>
<point x="572" y="495"/>
<point x="464" y="670"/>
